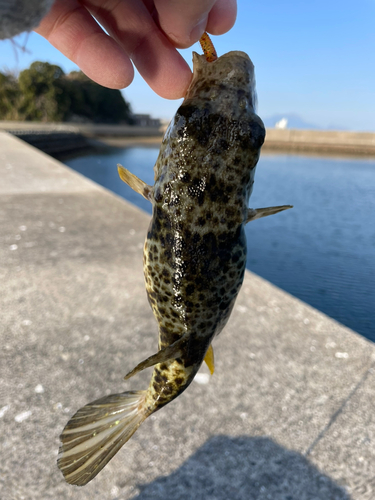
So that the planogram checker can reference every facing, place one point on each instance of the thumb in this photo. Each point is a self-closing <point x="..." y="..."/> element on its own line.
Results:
<point x="183" y="22"/>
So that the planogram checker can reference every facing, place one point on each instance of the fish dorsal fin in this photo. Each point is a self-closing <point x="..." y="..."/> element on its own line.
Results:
<point x="135" y="182"/>
<point x="257" y="213"/>
<point x="172" y="351"/>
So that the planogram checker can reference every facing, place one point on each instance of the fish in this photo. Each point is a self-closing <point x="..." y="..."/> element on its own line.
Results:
<point x="194" y="253"/>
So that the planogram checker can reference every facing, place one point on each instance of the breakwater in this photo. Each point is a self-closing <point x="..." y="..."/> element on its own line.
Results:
<point x="60" y="138"/>
<point x="322" y="142"/>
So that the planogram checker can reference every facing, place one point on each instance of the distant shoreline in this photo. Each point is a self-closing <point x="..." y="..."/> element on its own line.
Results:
<point x="320" y="142"/>
<point x="58" y="139"/>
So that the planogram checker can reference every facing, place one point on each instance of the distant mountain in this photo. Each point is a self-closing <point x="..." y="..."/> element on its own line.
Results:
<point x="294" y="121"/>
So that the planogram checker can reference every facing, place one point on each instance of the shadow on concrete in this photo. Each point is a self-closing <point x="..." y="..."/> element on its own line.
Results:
<point x="244" y="468"/>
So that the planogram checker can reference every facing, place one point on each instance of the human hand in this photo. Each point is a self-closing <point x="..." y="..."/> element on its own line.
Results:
<point x="145" y="32"/>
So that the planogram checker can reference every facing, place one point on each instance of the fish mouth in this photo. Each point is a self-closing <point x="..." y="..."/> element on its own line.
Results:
<point x="236" y="61"/>
<point x="228" y="81"/>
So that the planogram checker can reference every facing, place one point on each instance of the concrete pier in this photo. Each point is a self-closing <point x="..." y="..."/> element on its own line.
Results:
<point x="288" y="414"/>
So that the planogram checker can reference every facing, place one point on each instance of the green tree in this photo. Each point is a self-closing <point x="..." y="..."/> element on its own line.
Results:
<point x="43" y="93"/>
<point x="10" y="97"/>
<point x="96" y="103"/>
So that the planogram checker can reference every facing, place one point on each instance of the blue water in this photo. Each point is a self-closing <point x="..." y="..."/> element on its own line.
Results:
<point x="322" y="251"/>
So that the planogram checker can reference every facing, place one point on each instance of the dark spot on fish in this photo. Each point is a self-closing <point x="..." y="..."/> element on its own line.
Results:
<point x="252" y="136"/>
<point x="185" y="177"/>
<point x="159" y="378"/>
<point x="240" y="94"/>
<point x="168" y="255"/>
<point x="167" y="390"/>
<point x="224" y="305"/>
<point x="223" y="144"/>
<point x="236" y="256"/>
<point x="158" y="196"/>
<point x="209" y="240"/>
<point x="217" y="194"/>
<point x="196" y="238"/>
<point x="211" y="302"/>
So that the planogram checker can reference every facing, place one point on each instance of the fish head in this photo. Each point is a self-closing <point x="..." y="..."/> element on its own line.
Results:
<point x="216" y="124"/>
<point x="228" y="83"/>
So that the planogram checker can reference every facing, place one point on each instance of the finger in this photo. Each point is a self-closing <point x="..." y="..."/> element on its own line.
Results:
<point x="132" y="26"/>
<point x="222" y="17"/>
<point x="72" y="30"/>
<point x="183" y="21"/>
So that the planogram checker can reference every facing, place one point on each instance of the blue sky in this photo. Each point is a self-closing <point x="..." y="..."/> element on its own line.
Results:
<point x="314" y="59"/>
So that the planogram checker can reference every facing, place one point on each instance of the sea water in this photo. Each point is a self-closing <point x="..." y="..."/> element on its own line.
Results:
<point x="322" y="251"/>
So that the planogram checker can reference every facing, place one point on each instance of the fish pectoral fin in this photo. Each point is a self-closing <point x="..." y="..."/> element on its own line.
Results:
<point x="172" y="351"/>
<point x="257" y="213"/>
<point x="135" y="182"/>
<point x="209" y="359"/>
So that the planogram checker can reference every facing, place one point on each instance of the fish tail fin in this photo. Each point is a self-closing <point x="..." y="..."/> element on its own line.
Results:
<point x="96" y="433"/>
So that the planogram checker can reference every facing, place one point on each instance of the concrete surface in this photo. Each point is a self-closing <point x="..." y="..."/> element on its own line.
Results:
<point x="288" y="414"/>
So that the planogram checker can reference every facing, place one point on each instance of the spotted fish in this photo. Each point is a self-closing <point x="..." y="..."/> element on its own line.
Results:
<point x="194" y="254"/>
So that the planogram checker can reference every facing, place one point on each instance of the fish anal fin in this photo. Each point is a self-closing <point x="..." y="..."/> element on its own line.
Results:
<point x="172" y="351"/>
<point x="209" y="359"/>
<point x="257" y="213"/>
<point x="135" y="182"/>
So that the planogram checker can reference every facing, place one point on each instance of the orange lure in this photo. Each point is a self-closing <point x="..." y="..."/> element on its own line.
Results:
<point x="208" y="47"/>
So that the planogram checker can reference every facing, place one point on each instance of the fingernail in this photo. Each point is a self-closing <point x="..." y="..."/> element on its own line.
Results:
<point x="198" y="30"/>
